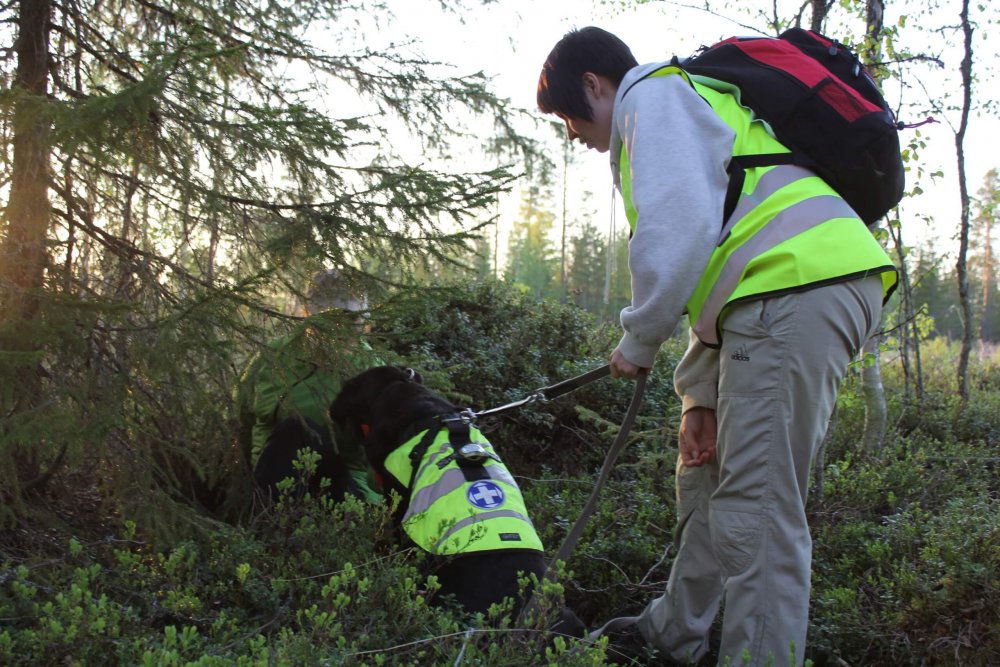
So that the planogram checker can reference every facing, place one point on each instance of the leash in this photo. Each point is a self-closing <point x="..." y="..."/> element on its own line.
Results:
<point x="573" y="536"/>
<point x="541" y="395"/>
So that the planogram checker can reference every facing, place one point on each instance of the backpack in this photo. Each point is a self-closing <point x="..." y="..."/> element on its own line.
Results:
<point x="822" y="105"/>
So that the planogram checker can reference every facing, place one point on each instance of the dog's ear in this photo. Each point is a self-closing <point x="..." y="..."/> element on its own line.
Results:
<point x="413" y="376"/>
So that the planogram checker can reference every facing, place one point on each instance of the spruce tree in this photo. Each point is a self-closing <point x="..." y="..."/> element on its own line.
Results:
<point x="177" y="169"/>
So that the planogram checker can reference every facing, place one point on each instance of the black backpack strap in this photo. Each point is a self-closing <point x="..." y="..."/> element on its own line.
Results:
<point x="737" y="175"/>
<point x="738" y="164"/>
<point x="459" y="434"/>
<point x="769" y="160"/>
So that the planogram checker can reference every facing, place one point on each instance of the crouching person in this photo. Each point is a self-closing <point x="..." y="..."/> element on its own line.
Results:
<point x="284" y="394"/>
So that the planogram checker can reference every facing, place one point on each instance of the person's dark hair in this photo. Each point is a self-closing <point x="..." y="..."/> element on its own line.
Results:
<point x="560" y="87"/>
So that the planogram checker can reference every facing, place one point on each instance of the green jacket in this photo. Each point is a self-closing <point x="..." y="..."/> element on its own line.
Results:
<point x="299" y="375"/>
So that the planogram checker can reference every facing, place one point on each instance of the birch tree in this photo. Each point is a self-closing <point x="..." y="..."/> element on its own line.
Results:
<point x="961" y="266"/>
<point x="982" y="238"/>
<point x="871" y="369"/>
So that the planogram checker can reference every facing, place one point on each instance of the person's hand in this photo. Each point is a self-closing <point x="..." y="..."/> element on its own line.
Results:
<point x="697" y="436"/>
<point x="622" y="367"/>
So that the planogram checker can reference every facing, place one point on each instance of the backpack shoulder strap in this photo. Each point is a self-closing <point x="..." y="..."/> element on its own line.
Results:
<point x="738" y="164"/>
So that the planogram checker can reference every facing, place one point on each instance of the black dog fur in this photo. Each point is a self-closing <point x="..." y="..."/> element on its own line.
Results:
<point x="291" y="436"/>
<point x="393" y="403"/>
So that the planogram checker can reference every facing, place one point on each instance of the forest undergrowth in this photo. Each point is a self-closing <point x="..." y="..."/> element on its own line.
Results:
<point x="176" y="567"/>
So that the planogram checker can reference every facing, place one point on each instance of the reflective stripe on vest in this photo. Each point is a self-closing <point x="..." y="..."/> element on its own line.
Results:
<point x="785" y="216"/>
<point x="448" y="513"/>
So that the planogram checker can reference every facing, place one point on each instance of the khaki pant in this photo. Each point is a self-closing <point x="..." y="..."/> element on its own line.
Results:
<point x="742" y="533"/>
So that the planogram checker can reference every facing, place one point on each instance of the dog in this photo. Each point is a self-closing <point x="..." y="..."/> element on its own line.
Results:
<point x="418" y="445"/>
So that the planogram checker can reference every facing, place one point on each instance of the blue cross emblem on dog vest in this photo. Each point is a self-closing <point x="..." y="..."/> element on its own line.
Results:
<point x="485" y="494"/>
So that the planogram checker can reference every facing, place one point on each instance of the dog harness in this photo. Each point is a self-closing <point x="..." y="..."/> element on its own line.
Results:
<point x="462" y="497"/>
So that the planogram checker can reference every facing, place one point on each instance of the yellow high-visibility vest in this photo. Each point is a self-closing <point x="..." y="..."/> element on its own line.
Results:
<point x="789" y="231"/>
<point x="452" y="512"/>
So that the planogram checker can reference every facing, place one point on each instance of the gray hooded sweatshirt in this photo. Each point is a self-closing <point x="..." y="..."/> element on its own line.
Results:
<point x="677" y="149"/>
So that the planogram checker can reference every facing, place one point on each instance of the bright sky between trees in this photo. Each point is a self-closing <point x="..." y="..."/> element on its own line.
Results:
<point x="509" y="40"/>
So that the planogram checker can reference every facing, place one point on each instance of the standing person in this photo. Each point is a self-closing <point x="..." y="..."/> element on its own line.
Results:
<point x="780" y="298"/>
<point x="286" y="391"/>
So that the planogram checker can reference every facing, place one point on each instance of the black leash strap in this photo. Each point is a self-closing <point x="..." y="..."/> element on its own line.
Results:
<point x="572" y="384"/>
<point x="546" y="393"/>
<point x="573" y="536"/>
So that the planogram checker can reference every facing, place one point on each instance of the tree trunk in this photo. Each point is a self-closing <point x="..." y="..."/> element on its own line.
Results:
<point x="871" y="370"/>
<point x="819" y="10"/>
<point x="963" y="247"/>
<point x="985" y="332"/>
<point x="874" y="393"/>
<point x="26" y="221"/>
<point x="23" y="252"/>
<point x="563" y="292"/>
<point x="496" y="236"/>
<point x="610" y="262"/>
<point x="909" y="330"/>
<point x="905" y="308"/>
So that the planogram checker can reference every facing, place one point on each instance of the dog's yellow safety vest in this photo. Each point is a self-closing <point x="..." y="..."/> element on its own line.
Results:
<point x="460" y="509"/>
<point x="790" y="231"/>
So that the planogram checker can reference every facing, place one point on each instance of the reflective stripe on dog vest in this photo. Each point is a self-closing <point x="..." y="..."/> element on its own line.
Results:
<point x="449" y="513"/>
<point x="784" y="217"/>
